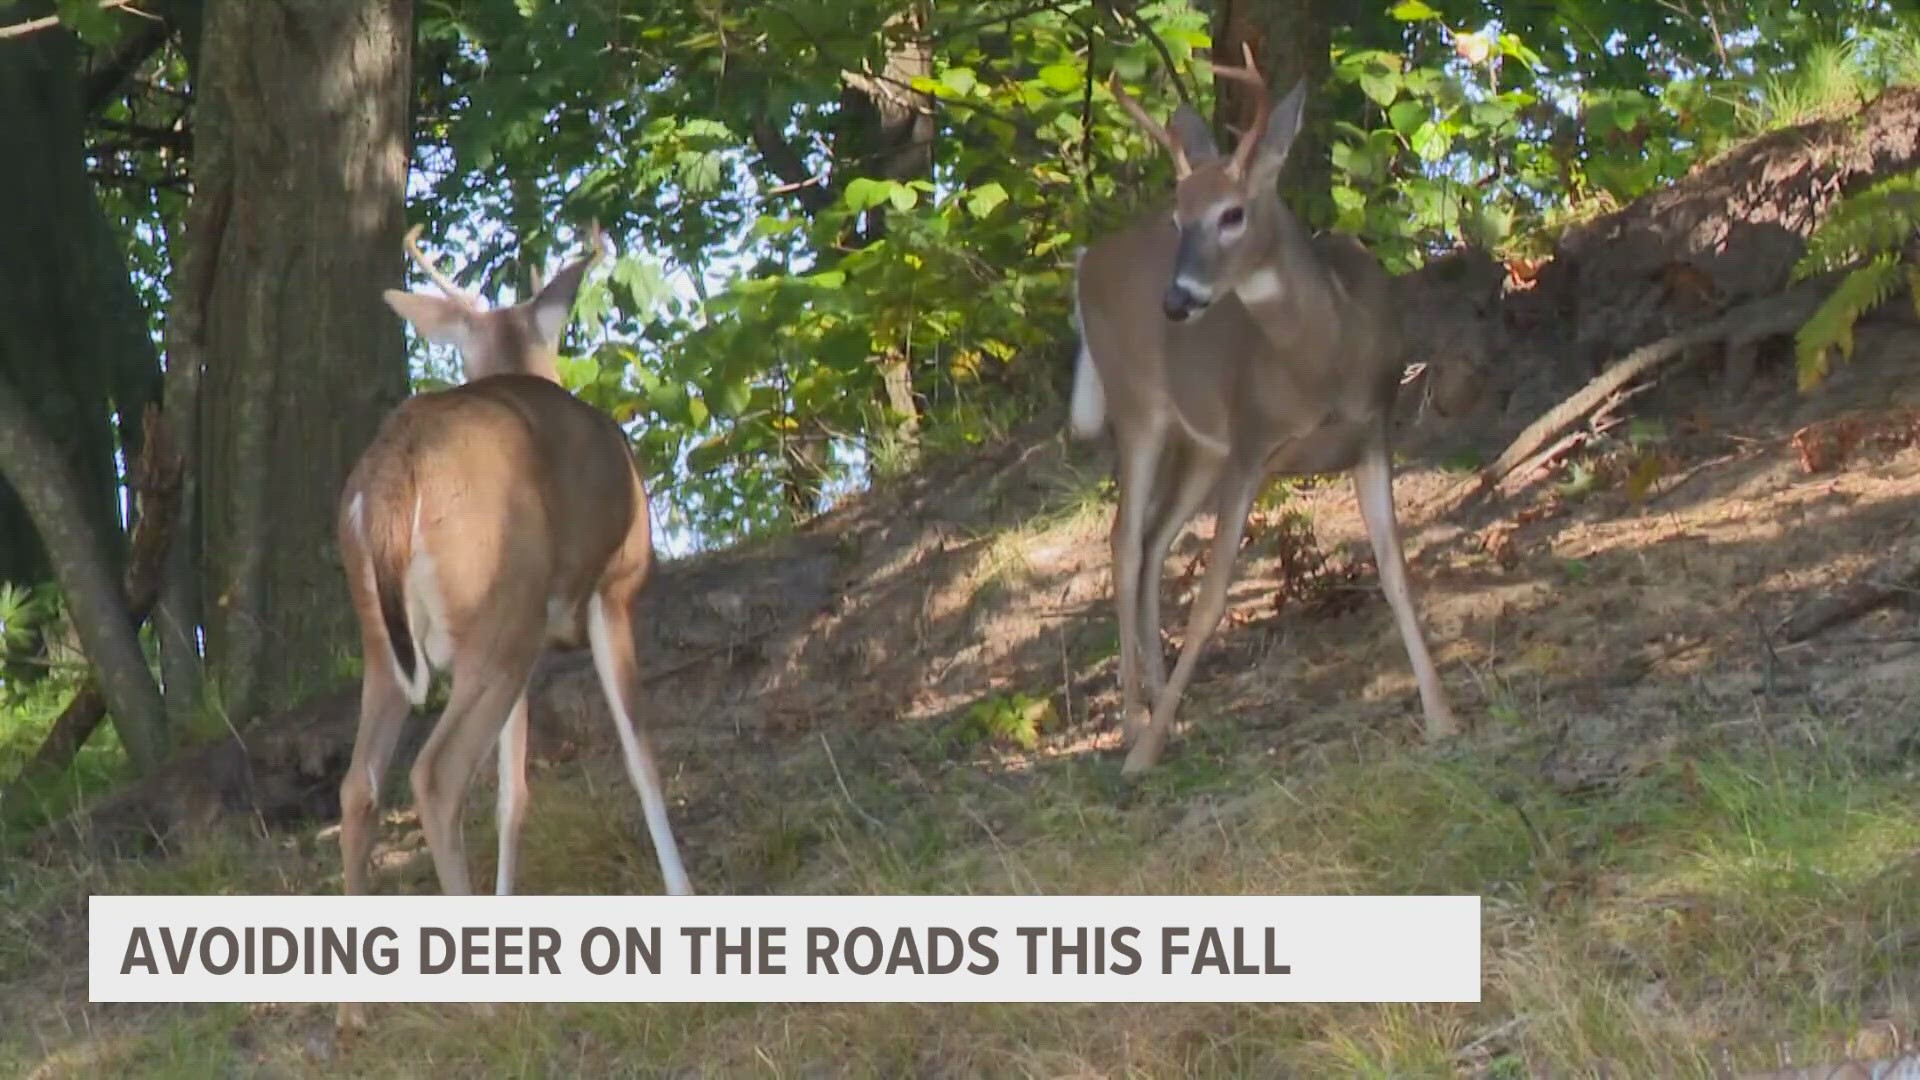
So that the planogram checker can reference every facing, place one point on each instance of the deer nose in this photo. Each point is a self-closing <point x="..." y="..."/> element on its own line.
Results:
<point x="1180" y="302"/>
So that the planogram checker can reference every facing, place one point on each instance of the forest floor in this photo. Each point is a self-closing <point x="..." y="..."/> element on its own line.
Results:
<point x="1697" y="842"/>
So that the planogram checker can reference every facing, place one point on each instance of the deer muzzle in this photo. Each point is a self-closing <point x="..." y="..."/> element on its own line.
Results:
<point x="1181" y="301"/>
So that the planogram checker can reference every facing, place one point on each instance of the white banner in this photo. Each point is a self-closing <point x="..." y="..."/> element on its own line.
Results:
<point x="784" y="948"/>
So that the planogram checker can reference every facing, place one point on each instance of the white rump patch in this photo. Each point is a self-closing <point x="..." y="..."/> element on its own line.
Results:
<point x="1260" y="287"/>
<point x="357" y="514"/>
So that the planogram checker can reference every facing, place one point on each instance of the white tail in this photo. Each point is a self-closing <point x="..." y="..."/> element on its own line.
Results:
<point x="482" y="524"/>
<point x="1227" y="342"/>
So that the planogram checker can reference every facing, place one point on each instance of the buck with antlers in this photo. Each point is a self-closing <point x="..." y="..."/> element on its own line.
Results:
<point x="483" y="523"/>
<point x="1224" y="344"/>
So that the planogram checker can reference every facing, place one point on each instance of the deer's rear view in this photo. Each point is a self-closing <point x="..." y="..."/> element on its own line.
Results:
<point x="483" y="523"/>
<point x="1221" y="344"/>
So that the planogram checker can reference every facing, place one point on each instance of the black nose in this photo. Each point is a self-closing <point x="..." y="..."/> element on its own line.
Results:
<point x="1178" y="303"/>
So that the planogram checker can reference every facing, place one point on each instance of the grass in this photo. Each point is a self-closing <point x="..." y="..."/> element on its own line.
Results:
<point x="26" y="716"/>
<point x="1752" y="901"/>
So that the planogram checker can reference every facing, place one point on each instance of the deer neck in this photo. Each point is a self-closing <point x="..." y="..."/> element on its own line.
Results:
<point x="544" y="367"/>
<point x="1290" y="292"/>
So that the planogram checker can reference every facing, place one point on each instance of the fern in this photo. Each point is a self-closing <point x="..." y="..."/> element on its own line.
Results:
<point x="1864" y="225"/>
<point x="1831" y="327"/>
<point x="1867" y="231"/>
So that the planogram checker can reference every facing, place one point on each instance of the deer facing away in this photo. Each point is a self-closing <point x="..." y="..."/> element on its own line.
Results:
<point x="481" y="524"/>
<point x="1223" y="344"/>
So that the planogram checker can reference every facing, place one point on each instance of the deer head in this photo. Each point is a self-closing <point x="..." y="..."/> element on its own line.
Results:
<point x="1225" y="207"/>
<point x="524" y="338"/>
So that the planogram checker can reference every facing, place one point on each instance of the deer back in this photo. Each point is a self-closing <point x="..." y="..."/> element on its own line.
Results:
<point x="517" y="494"/>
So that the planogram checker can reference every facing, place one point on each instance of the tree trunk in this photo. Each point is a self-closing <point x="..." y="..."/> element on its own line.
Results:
<point x="34" y="466"/>
<point x="1292" y="40"/>
<point x="156" y="480"/>
<point x="73" y="335"/>
<point x="300" y="145"/>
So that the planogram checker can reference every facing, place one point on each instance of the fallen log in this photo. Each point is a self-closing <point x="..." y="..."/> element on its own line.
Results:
<point x="1752" y="321"/>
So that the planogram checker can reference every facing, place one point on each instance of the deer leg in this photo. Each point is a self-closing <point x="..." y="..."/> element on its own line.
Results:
<point x="512" y="807"/>
<point x="1234" y="499"/>
<point x="1192" y="482"/>
<point x="1373" y="484"/>
<point x="610" y="632"/>
<point x="383" y="714"/>
<point x="1138" y="469"/>
<point x="485" y="689"/>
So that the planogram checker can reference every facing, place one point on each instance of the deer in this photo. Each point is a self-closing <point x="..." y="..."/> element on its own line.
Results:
<point x="483" y="524"/>
<point x="1222" y="344"/>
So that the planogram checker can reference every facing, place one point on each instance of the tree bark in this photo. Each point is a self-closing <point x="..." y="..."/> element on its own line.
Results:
<point x="156" y="481"/>
<point x="301" y="146"/>
<point x="1292" y="40"/>
<point x="35" y="467"/>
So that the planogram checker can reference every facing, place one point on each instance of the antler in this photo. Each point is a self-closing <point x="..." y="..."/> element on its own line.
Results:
<point x="1181" y="167"/>
<point x="1250" y="76"/>
<point x="598" y="252"/>
<point x="454" y="292"/>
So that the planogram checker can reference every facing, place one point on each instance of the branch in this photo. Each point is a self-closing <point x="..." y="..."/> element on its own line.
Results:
<point x="1128" y="15"/>
<point x="50" y="21"/>
<point x="1755" y="319"/>
<point x="787" y="164"/>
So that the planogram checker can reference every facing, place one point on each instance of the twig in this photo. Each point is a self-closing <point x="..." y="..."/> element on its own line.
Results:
<point x="46" y="22"/>
<point x="871" y="821"/>
<point x="1126" y="14"/>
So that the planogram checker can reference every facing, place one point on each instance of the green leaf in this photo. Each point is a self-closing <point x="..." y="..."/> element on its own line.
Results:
<point x="902" y="197"/>
<point x="730" y="398"/>
<point x="827" y="279"/>
<point x="865" y="193"/>
<point x="1062" y="77"/>
<point x="982" y="200"/>
<point x="960" y="80"/>
<point x="1431" y="142"/>
<point x="1413" y="11"/>
<point x="1407" y="116"/>
<point x="1380" y="85"/>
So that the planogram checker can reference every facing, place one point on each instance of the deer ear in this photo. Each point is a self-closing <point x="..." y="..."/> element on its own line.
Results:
<point x="1190" y="128"/>
<point x="1282" y="128"/>
<point x="551" y="307"/>
<point x="439" y="320"/>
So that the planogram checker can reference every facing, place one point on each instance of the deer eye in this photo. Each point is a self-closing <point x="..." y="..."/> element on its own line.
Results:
<point x="1233" y="217"/>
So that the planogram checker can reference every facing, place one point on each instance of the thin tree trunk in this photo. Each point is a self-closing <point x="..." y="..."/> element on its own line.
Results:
<point x="34" y="466"/>
<point x="156" y="482"/>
